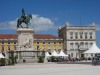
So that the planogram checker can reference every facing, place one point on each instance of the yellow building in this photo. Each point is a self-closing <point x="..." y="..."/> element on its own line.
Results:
<point x="47" y="42"/>
<point x="41" y="42"/>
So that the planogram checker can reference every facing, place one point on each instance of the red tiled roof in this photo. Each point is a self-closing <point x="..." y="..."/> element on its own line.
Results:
<point x="45" y="36"/>
<point x="36" y="36"/>
<point x="8" y="36"/>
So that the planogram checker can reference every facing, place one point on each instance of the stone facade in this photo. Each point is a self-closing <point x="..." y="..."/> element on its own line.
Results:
<point x="41" y="42"/>
<point x="77" y="39"/>
<point x="73" y="39"/>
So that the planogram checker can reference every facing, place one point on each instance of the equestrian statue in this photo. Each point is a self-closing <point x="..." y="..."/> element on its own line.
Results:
<point x="24" y="19"/>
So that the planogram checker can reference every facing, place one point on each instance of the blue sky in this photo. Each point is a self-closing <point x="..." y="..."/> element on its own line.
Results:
<point x="48" y="15"/>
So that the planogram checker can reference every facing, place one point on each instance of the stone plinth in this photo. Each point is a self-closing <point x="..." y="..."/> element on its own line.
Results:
<point x="25" y="38"/>
<point x="25" y="49"/>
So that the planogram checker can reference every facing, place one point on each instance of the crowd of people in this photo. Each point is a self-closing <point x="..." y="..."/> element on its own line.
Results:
<point x="62" y="59"/>
<point x="95" y="60"/>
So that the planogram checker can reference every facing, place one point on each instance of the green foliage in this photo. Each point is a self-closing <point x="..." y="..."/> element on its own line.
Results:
<point x="2" y="61"/>
<point x="52" y="59"/>
<point x="41" y="59"/>
<point x="82" y="58"/>
<point x="15" y="59"/>
<point x="12" y="61"/>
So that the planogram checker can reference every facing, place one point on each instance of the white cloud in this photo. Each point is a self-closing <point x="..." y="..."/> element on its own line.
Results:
<point x="41" y="23"/>
<point x="37" y="23"/>
<point x="7" y="25"/>
<point x="98" y="27"/>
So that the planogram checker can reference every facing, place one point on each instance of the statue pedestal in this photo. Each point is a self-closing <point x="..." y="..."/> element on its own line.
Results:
<point x="25" y="38"/>
<point x="25" y="49"/>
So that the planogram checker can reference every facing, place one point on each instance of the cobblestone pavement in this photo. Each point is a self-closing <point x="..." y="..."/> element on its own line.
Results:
<point x="50" y="69"/>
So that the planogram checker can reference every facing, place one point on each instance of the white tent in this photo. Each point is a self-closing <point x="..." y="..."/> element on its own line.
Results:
<point x="1" y="56"/>
<point x="47" y="54"/>
<point x="94" y="49"/>
<point x="62" y="54"/>
<point x="54" y="53"/>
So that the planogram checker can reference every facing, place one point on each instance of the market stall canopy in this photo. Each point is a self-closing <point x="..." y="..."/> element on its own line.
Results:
<point x="54" y="53"/>
<point x="1" y="56"/>
<point x="94" y="49"/>
<point x="62" y="54"/>
<point x="47" y="54"/>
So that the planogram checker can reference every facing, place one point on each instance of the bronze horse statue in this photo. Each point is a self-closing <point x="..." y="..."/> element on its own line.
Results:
<point x="24" y="19"/>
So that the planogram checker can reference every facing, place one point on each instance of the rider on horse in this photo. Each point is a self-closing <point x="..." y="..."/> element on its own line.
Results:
<point x="23" y="17"/>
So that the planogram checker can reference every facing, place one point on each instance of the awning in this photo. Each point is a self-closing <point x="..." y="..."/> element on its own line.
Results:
<point x="94" y="49"/>
<point x="1" y="56"/>
<point x="62" y="54"/>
